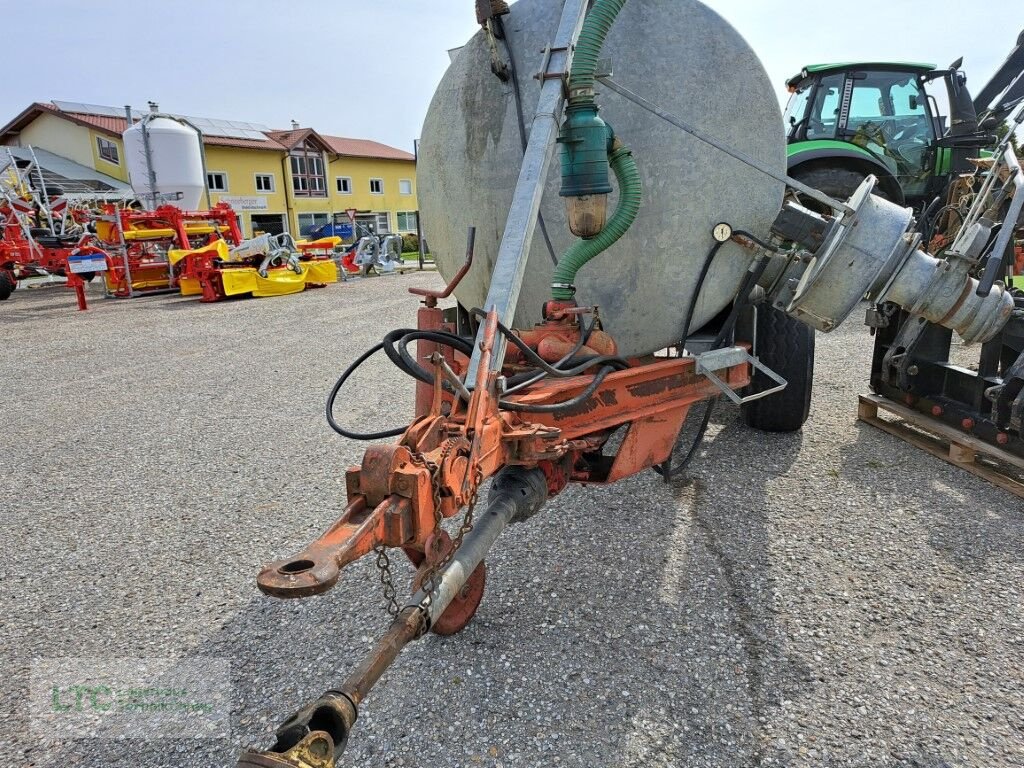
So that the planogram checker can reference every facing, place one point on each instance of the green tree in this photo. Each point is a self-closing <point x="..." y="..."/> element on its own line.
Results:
<point x="1002" y="130"/>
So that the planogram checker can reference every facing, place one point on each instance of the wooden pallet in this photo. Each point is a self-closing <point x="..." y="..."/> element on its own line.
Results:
<point x="967" y="452"/>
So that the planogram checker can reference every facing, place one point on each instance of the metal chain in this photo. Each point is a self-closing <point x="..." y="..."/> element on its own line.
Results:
<point x="384" y="567"/>
<point x="430" y="579"/>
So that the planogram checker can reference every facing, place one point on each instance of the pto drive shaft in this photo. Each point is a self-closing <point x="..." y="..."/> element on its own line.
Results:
<point x="316" y="735"/>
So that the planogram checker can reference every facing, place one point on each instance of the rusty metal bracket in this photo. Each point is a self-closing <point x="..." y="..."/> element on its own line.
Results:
<point x="431" y="296"/>
<point x="545" y="63"/>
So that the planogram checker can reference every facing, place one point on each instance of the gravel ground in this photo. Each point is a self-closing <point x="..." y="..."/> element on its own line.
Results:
<point x="829" y="598"/>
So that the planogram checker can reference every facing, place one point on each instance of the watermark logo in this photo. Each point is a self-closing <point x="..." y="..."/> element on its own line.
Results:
<point x="148" y="698"/>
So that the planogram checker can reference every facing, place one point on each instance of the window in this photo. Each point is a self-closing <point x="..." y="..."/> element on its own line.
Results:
<point x="344" y="184"/>
<point x="108" y="150"/>
<point x="308" y="179"/>
<point x="865" y="105"/>
<point x="405" y="186"/>
<point x="376" y="186"/>
<point x="217" y="181"/>
<point x="264" y="182"/>
<point x="269" y="223"/>
<point x="383" y="223"/>
<point x="889" y="117"/>
<point x="824" y="114"/>
<point x="407" y="221"/>
<point x="310" y="221"/>
<point x="796" y="109"/>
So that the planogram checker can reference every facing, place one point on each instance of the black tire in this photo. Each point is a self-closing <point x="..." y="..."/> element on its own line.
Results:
<point x="87" y="276"/>
<point x="838" y="183"/>
<point x="787" y="347"/>
<point x="6" y="286"/>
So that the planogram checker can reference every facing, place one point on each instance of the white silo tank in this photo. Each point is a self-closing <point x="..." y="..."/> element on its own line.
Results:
<point x="177" y="162"/>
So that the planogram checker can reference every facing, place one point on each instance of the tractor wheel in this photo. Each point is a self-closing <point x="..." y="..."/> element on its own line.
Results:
<point x="787" y="347"/>
<point x="87" y="277"/>
<point x="838" y="183"/>
<point x="7" y="285"/>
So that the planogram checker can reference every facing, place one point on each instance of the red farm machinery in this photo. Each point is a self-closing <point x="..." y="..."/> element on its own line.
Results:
<point x="581" y="368"/>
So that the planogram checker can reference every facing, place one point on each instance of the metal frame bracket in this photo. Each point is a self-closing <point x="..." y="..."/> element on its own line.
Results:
<point x="727" y="357"/>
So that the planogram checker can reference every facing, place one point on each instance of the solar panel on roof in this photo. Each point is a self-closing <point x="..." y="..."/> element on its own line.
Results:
<point x="229" y="129"/>
<point x="93" y="109"/>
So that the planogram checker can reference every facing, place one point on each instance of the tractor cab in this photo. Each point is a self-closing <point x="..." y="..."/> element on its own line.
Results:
<point x="881" y="109"/>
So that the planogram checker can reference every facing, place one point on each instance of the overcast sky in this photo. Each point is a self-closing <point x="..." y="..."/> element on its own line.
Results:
<point x="367" y="68"/>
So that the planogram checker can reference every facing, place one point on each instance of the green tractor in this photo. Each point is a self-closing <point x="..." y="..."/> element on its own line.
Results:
<point x="846" y="121"/>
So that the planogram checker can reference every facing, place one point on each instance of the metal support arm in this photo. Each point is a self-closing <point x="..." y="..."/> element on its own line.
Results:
<point x="510" y="266"/>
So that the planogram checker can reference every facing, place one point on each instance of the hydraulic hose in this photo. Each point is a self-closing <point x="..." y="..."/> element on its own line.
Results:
<point x="588" y="49"/>
<point x="630" y="195"/>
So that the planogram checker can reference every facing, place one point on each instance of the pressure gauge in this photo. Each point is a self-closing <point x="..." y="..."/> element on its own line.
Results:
<point x="722" y="232"/>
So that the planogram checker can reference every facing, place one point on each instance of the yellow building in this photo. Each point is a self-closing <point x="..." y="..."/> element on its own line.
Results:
<point x="290" y="180"/>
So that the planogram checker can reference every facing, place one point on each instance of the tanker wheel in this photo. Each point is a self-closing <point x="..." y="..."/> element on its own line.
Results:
<point x="7" y="285"/>
<point x="787" y="347"/>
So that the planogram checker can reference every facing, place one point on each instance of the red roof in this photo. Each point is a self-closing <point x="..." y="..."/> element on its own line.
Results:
<point x="276" y="140"/>
<point x="366" y="148"/>
<point x="289" y="139"/>
<point x="104" y="123"/>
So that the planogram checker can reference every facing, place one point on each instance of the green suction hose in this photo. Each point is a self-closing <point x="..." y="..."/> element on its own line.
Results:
<point x="588" y="49"/>
<point x="588" y="151"/>
<point x="630" y="194"/>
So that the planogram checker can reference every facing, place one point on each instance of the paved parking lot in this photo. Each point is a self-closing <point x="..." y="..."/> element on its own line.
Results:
<point x="829" y="598"/>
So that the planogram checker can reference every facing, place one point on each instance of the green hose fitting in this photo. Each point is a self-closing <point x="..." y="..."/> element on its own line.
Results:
<point x="627" y="175"/>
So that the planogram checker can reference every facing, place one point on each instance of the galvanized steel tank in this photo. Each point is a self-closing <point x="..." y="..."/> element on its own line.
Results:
<point x="676" y="53"/>
<point x="177" y="157"/>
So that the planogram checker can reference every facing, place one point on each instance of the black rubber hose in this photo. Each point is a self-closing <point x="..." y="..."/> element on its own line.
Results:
<point x="726" y="331"/>
<point x="582" y="397"/>
<point x="392" y="353"/>
<point x="926" y="216"/>
<point x="698" y="440"/>
<point x="666" y="470"/>
<point x="742" y="299"/>
<point x="439" y="337"/>
<point x="758" y="241"/>
<point x="697" y="286"/>
<point x="539" y="375"/>
<point x="540" y="362"/>
<point x="929" y="231"/>
<point x="406" y="362"/>
<point x="334" y="394"/>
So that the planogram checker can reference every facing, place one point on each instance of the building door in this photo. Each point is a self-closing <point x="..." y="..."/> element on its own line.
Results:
<point x="267" y="223"/>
